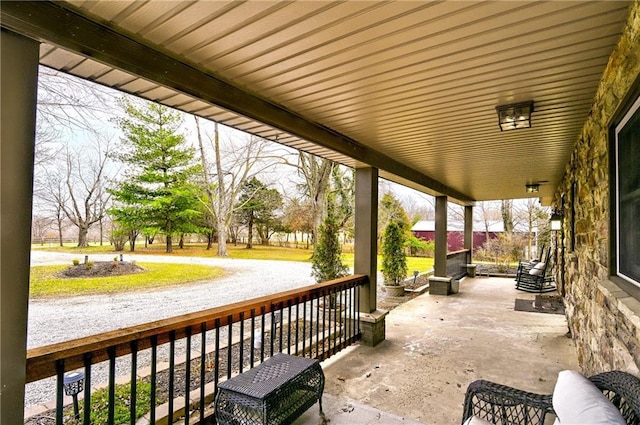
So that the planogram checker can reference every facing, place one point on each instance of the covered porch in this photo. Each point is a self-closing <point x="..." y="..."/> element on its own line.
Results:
<point x="435" y="346"/>
<point x="401" y="90"/>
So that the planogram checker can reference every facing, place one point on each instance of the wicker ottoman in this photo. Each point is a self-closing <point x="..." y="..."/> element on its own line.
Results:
<point x="275" y="392"/>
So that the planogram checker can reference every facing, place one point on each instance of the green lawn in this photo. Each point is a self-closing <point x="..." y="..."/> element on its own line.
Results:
<point x="258" y="252"/>
<point x="45" y="282"/>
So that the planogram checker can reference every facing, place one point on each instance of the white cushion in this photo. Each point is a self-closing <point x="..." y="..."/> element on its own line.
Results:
<point x="577" y="401"/>
<point x="540" y="265"/>
<point x="536" y="272"/>
<point x="474" y="420"/>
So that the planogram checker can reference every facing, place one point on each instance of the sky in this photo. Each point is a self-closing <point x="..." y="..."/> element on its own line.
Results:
<point x="57" y="93"/>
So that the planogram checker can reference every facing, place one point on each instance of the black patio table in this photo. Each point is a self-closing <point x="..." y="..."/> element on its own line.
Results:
<point x="275" y="392"/>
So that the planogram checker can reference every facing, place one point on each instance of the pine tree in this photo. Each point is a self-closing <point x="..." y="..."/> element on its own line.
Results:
<point x="326" y="261"/>
<point x="161" y="166"/>
<point x="394" y="260"/>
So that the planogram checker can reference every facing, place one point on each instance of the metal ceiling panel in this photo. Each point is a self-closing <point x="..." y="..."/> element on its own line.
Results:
<point x="408" y="86"/>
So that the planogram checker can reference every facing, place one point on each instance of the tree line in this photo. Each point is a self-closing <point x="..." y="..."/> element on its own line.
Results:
<point x="152" y="181"/>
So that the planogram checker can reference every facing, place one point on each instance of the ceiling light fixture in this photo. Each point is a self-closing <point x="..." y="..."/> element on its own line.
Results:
<point x="533" y="188"/>
<point x="512" y="117"/>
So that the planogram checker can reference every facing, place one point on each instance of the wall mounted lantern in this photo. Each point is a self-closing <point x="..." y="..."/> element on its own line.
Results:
<point x="556" y="221"/>
<point x="513" y="117"/>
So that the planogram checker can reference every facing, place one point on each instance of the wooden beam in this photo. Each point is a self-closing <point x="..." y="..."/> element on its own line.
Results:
<point x="67" y="28"/>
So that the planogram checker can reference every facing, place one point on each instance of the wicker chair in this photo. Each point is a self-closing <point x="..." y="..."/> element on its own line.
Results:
<point x="500" y="404"/>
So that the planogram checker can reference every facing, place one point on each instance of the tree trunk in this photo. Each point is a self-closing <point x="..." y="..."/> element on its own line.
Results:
<point x="60" y="232"/>
<point x="507" y="215"/>
<point x="169" y="244"/>
<point x="132" y="240"/>
<point x="250" y="233"/>
<point x="82" y="236"/>
<point x="181" y="242"/>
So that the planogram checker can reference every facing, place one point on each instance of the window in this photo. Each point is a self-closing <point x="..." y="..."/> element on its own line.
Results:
<point x="627" y="195"/>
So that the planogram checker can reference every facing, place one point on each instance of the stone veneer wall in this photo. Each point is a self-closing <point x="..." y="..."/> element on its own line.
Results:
<point x="604" y="320"/>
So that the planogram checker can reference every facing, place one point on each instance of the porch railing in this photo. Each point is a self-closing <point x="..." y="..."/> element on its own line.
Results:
<point x="457" y="263"/>
<point x="186" y="356"/>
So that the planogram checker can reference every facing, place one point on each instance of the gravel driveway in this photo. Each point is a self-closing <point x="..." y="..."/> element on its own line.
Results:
<point x="59" y="319"/>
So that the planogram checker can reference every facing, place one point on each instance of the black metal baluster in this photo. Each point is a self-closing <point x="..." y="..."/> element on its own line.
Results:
<point x="154" y="377"/>
<point x="216" y="367"/>
<point x="241" y="354"/>
<point x="203" y="366"/>
<point x="172" y="372"/>
<point x="335" y="323"/>
<point x="297" y="322"/>
<point x="281" y="307"/>
<point x="262" y="314"/>
<point x="229" y="344"/>
<point x="187" y="377"/>
<point x="324" y="323"/>
<point x="318" y="321"/>
<point x="347" y="315"/>
<point x="273" y="328"/>
<point x="343" y="319"/>
<point x="59" y="390"/>
<point x="352" y="311"/>
<point x="253" y="336"/>
<point x="311" y="327"/>
<point x="358" y="310"/>
<point x="134" y="382"/>
<point x="337" y="346"/>
<point x="87" y="389"/>
<point x="288" y="327"/>
<point x="304" y="324"/>
<point x="111" y="351"/>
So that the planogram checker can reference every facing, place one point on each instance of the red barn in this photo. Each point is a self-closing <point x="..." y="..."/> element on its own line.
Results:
<point x="426" y="230"/>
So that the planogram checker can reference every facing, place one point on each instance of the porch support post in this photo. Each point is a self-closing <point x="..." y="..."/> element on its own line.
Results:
<point x="372" y="321"/>
<point x="440" y="260"/>
<point x="18" y="85"/>
<point x="468" y="232"/>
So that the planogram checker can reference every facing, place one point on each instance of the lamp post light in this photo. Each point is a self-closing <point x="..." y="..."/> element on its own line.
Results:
<point x="73" y="383"/>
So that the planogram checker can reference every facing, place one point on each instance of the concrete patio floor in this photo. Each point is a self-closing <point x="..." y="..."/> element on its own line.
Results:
<point x="435" y="346"/>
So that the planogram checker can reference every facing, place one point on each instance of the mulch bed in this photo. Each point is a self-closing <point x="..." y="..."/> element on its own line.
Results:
<point x="101" y="269"/>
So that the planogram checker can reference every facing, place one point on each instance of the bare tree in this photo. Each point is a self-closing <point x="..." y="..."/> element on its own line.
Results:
<point x="506" y="209"/>
<point x="316" y="173"/>
<point x="530" y="211"/>
<point x="65" y="101"/>
<point x="78" y="189"/>
<point x="236" y="162"/>
<point x="40" y="225"/>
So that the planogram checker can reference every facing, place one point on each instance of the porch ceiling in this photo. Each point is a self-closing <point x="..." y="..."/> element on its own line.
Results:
<point x="408" y="87"/>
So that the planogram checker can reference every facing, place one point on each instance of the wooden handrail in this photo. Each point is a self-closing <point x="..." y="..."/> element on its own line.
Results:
<point x="452" y="253"/>
<point x="41" y="361"/>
